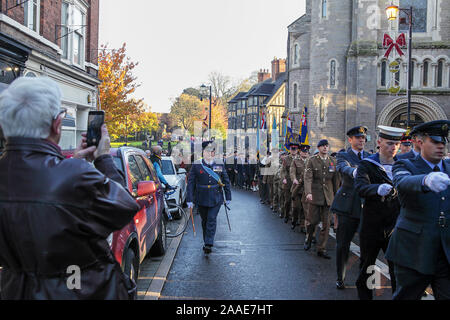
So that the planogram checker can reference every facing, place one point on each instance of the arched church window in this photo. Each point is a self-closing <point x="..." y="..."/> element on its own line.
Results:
<point x="420" y="8"/>
<point x="333" y="73"/>
<point x="322" y="110"/>
<point x="295" y="95"/>
<point x="440" y="73"/>
<point x="426" y="67"/>
<point x="383" y="73"/>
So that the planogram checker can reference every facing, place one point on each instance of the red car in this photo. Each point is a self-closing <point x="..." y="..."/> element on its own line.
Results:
<point x="146" y="233"/>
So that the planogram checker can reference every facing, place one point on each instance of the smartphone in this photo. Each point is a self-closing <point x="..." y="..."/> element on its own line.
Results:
<point x="94" y="130"/>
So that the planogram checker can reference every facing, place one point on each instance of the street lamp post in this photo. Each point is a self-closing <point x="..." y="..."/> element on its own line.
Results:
<point x="392" y="14"/>
<point x="210" y="97"/>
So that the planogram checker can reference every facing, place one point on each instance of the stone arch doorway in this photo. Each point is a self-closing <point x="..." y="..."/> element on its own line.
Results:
<point x="422" y="110"/>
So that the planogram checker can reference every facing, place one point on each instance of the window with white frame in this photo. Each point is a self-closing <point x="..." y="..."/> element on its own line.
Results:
<point x="32" y="10"/>
<point x="73" y="32"/>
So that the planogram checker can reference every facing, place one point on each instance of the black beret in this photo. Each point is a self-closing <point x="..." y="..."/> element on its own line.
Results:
<point x="323" y="142"/>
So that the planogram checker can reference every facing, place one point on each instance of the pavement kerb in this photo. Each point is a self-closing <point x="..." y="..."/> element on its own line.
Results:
<point x="153" y="292"/>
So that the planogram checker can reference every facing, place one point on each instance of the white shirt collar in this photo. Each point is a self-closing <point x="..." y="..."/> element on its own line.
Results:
<point x="356" y="152"/>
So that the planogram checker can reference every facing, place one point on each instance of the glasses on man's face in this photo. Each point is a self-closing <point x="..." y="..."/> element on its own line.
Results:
<point x="62" y="113"/>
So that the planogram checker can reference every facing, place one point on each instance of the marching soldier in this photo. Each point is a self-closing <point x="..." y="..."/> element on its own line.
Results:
<point x="415" y="150"/>
<point x="347" y="203"/>
<point x="287" y="182"/>
<point x="321" y="183"/>
<point x="276" y="193"/>
<point x="420" y="244"/>
<point x="381" y="206"/>
<point x="297" y="172"/>
<point x="405" y="145"/>
<point x="205" y="182"/>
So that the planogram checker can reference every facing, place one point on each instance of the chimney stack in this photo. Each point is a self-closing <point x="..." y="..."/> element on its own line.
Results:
<point x="278" y="66"/>
<point x="263" y="75"/>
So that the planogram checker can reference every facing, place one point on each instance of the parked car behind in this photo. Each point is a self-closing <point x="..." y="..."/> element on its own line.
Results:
<point x="146" y="233"/>
<point x="176" y="179"/>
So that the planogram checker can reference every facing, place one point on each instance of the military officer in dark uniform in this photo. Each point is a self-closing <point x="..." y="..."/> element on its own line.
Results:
<point x="206" y="183"/>
<point x="415" y="150"/>
<point x="381" y="206"/>
<point x="420" y="244"/>
<point x="347" y="203"/>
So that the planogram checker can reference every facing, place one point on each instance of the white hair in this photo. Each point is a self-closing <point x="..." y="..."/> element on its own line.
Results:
<point x="28" y="106"/>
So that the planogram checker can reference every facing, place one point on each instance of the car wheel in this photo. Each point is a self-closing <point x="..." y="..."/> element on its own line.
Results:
<point x="159" y="247"/>
<point x="131" y="266"/>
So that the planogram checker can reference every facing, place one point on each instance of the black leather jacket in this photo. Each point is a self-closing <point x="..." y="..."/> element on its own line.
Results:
<point x="56" y="213"/>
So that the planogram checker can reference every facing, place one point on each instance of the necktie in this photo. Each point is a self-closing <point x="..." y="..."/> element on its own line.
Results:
<point x="359" y="156"/>
<point x="436" y="169"/>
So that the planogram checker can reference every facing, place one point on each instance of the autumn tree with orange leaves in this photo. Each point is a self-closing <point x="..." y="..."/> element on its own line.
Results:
<point x="122" y="113"/>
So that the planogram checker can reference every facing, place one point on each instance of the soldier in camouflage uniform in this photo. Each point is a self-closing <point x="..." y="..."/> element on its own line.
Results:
<point x="276" y="190"/>
<point x="287" y="182"/>
<point x="299" y="204"/>
<point x="321" y="184"/>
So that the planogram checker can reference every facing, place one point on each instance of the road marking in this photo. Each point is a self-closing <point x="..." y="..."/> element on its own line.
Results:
<point x="157" y="284"/>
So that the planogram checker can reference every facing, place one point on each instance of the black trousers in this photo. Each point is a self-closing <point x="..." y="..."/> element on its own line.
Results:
<point x="370" y="247"/>
<point x="346" y="230"/>
<point x="411" y="284"/>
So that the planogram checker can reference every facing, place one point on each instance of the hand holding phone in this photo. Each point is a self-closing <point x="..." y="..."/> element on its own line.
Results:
<point x="94" y="133"/>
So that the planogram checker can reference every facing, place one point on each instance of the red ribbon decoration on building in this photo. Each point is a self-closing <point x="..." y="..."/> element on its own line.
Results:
<point x="389" y="43"/>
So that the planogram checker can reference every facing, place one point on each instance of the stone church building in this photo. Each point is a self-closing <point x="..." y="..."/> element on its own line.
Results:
<point x="337" y="67"/>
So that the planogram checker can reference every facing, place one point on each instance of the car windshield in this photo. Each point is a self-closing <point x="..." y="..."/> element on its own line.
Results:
<point x="167" y="167"/>
<point x="118" y="163"/>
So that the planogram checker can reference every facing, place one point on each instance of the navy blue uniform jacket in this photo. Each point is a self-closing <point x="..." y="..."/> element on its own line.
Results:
<point x="347" y="200"/>
<point x="417" y="236"/>
<point x="408" y="155"/>
<point x="203" y="190"/>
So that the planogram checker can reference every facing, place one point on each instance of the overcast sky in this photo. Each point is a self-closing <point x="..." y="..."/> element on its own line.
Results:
<point x="179" y="42"/>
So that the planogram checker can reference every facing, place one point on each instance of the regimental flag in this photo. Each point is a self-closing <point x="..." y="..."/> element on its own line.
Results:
<point x="303" y="134"/>
<point x="275" y="136"/>
<point x="289" y="135"/>
<point x="263" y="121"/>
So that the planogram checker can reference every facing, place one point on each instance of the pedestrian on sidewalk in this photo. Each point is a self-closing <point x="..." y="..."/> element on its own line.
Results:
<point x="374" y="183"/>
<point x="56" y="213"/>
<point x="207" y="183"/>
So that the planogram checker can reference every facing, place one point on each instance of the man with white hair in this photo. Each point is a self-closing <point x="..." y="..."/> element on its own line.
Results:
<point x="56" y="213"/>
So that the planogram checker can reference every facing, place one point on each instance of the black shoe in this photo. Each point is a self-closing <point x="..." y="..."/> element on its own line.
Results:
<point x="286" y="220"/>
<point x="314" y="241"/>
<point x="303" y="230"/>
<point x="323" y="254"/>
<point x="340" y="285"/>
<point x="207" y="249"/>
<point x="307" y="245"/>
<point x="294" y="225"/>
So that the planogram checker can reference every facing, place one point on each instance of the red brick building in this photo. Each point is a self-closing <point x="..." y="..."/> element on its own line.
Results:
<point x="58" y="39"/>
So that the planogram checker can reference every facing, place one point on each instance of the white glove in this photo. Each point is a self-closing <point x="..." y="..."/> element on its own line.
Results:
<point x="228" y="202"/>
<point x="190" y="205"/>
<point x="354" y="173"/>
<point x="384" y="189"/>
<point x="437" y="181"/>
